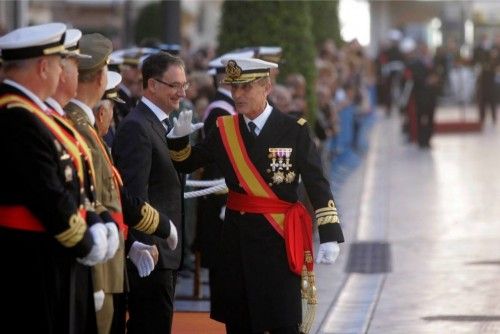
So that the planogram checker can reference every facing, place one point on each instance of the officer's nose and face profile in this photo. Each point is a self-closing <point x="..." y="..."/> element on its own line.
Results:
<point x="250" y="98"/>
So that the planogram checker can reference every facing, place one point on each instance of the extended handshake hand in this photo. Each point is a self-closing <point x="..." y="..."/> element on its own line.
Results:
<point x="183" y="126"/>
<point x="328" y="252"/>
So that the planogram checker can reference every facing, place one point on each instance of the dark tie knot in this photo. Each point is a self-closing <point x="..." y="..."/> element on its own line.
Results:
<point x="168" y="125"/>
<point x="252" y="127"/>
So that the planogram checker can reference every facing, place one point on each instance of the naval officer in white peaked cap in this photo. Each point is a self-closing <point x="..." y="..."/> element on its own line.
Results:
<point x="44" y="225"/>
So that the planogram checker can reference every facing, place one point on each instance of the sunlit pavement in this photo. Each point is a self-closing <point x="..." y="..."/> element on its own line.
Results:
<point x="423" y="238"/>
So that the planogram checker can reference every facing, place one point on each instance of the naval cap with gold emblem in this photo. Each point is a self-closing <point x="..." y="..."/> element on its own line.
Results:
<point x="216" y="66"/>
<point x="243" y="70"/>
<point x="72" y="44"/>
<point x="33" y="41"/>
<point x="97" y="46"/>
<point x="111" y="92"/>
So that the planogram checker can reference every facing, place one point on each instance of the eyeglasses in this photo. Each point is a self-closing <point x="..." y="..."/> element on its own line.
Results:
<point x="175" y="85"/>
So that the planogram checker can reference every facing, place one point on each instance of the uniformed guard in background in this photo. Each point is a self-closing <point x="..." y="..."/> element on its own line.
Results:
<point x="46" y="220"/>
<point x="266" y="242"/>
<point x="211" y="208"/>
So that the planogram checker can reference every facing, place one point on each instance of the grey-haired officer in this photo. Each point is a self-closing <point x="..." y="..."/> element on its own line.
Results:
<point x="262" y="153"/>
<point x="45" y="227"/>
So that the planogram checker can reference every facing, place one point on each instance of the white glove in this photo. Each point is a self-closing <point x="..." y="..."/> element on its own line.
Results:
<point x="139" y="254"/>
<point x="222" y="213"/>
<point x="98" y="300"/>
<point x="183" y="126"/>
<point x="328" y="252"/>
<point x="172" y="238"/>
<point x="113" y="240"/>
<point x="98" y="252"/>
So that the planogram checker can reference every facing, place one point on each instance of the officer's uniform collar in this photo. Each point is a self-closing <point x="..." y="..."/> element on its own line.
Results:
<point x="55" y="105"/>
<point x="29" y="93"/>
<point x="260" y="120"/>
<point x="86" y="109"/>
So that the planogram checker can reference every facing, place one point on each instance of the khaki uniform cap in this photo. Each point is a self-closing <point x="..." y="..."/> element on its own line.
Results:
<point x="97" y="46"/>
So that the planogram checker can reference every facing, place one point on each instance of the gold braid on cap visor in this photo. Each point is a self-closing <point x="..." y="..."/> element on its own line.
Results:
<point x="234" y="73"/>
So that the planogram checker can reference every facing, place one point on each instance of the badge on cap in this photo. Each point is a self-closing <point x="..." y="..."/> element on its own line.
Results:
<point x="233" y="71"/>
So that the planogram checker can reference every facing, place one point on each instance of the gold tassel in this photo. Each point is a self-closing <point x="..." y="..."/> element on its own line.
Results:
<point x="309" y="299"/>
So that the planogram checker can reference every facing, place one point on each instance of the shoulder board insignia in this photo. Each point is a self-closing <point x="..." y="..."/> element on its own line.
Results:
<point x="301" y="121"/>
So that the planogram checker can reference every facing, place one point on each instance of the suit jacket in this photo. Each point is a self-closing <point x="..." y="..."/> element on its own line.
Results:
<point x="141" y="154"/>
<point x="253" y="257"/>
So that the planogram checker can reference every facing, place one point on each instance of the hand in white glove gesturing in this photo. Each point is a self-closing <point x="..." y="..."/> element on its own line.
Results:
<point x="140" y="255"/>
<point x="113" y="240"/>
<point x="98" y="251"/>
<point x="98" y="300"/>
<point x="183" y="126"/>
<point x="172" y="238"/>
<point x="328" y="252"/>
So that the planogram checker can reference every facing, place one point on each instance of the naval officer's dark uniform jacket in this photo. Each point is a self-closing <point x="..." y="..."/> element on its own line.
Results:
<point x="42" y="225"/>
<point x="257" y="279"/>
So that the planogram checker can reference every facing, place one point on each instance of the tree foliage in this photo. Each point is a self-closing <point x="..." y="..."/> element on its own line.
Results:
<point x="149" y="23"/>
<point x="273" y="23"/>
<point x="326" y="23"/>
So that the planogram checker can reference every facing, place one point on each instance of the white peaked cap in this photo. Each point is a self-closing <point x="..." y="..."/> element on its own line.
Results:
<point x="33" y="41"/>
<point x="242" y="70"/>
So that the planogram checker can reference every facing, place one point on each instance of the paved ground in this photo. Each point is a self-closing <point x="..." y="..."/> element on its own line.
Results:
<point x="437" y="210"/>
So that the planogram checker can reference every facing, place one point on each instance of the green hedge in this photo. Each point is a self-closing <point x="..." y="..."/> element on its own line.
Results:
<point x="149" y="22"/>
<point x="273" y="23"/>
<point x="325" y="21"/>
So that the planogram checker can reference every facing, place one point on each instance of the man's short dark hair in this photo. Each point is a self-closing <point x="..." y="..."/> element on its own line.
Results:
<point x="156" y="64"/>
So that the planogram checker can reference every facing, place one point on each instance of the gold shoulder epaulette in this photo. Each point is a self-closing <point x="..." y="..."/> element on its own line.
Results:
<point x="301" y="121"/>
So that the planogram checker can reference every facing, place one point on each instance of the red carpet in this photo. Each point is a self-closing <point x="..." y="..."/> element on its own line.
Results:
<point x="196" y="323"/>
<point x="457" y="126"/>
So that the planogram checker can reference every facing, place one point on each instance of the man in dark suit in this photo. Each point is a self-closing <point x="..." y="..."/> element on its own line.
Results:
<point x="142" y="157"/>
<point x="266" y="241"/>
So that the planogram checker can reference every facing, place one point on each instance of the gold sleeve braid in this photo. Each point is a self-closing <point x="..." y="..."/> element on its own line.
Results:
<point x="180" y="155"/>
<point x="74" y="233"/>
<point x="327" y="215"/>
<point x="149" y="221"/>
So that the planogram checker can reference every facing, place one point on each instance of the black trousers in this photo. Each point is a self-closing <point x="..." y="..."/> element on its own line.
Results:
<point x="151" y="301"/>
